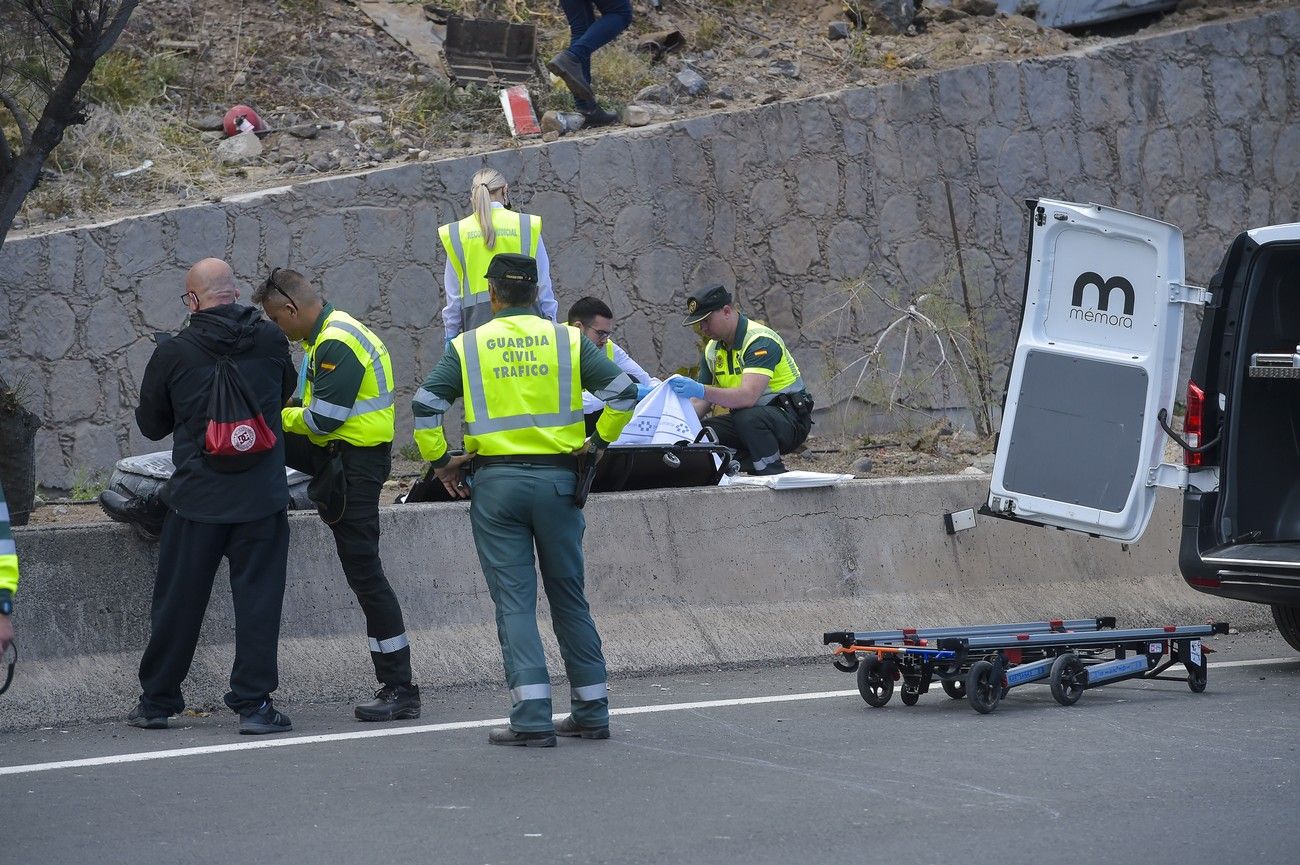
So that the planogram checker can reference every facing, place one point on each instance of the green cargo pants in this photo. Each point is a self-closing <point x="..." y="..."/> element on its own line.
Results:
<point x="514" y="508"/>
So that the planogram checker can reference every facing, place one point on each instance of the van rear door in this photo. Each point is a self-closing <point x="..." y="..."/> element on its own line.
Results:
<point x="1096" y="360"/>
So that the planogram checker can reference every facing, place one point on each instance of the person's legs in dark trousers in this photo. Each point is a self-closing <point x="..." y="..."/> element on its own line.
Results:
<point x="760" y="434"/>
<point x="356" y="537"/>
<point x="187" y="564"/>
<point x="259" y="555"/>
<point x="588" y="32"/>
<point x="558" y="525"/>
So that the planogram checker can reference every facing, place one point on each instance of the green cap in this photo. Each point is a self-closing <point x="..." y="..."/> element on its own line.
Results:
<point x="512" y="266"/>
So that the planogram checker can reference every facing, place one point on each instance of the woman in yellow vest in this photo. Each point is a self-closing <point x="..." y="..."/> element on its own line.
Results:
<point x="470" y="245"/>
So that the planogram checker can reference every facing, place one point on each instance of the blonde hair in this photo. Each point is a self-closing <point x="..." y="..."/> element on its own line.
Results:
<point x="486" y="181"/>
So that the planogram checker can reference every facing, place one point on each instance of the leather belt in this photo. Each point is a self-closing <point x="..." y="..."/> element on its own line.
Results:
<point x="564" y="461"/>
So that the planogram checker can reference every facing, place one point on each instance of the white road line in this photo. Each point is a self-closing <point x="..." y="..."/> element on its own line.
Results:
<point x="142" y="756"/>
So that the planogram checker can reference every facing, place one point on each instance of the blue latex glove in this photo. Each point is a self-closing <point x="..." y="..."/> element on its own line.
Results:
<point x="687" y="387"/>
<point x="643" y="391"/>
<point x="446" y="344"/>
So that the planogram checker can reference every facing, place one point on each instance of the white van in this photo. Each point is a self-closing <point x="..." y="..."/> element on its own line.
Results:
<point x="1092" y="385"/>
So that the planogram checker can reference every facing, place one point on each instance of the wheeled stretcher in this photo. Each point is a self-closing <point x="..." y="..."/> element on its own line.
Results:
<point x="982" y="663"/>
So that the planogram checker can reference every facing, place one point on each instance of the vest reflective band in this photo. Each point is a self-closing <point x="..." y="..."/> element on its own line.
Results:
<point x="522" y="380"/>
<point x="369" y="420"/>
<point x="469" y="256"/>
<point x="785" y="378"/>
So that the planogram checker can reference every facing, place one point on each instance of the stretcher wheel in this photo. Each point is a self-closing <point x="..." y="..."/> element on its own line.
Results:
<point x="875" y="683"/>
<point x="982" y="691"/>
<point x="909" y="696"/>
<point x="1068" y="679"/>
<point x="848" y="663"/>
<point x="1196" y="679"/>
<point x="954" y="688"/>
<point x="733" y="468"/>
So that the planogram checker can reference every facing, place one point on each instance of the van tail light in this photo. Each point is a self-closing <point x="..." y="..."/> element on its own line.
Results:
<point x="1194" y="424"/>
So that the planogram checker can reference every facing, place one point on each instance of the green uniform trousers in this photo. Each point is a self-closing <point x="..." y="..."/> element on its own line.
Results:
<point x="514" y="509"/>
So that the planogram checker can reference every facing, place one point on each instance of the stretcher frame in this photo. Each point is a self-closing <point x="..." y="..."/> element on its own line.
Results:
<point x="982" y="663"/>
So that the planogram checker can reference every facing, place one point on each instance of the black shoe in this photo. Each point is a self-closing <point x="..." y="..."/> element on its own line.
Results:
<point x="569" y="727"/>
<point x="264" y="720"/>
<point x="391" y="703"/>
<point x="140" y="718"/>
<point x="598" y="117"/>
<point x="565" y="66"/>
<point x="776" y="468"/>
<point x="510" y="736"/>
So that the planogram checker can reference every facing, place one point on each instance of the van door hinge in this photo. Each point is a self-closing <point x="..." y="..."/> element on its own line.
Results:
<point x="1168" y="475"/>
<point x="1194" y="294"/>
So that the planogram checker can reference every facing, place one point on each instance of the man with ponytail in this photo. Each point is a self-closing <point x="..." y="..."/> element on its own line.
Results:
<point x="471" y="243"/>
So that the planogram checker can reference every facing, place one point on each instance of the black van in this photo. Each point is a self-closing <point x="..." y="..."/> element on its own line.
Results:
<point x="1092" y="383"/>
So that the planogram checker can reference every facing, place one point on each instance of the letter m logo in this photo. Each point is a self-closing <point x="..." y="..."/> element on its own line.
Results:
<point x="1104" y="289"/>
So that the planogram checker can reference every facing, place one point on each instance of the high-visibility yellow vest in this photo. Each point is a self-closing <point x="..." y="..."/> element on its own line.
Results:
<point x="369" y="421"/>
<point x="8" y="552"/>
<point x="469" y="256"/>
<point x="522" y="381"/>
<point x="728" y="366"/>
<point x="609" y="349"/>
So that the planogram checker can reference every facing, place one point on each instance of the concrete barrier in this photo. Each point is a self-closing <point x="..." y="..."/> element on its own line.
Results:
<point x="676" y="578"/>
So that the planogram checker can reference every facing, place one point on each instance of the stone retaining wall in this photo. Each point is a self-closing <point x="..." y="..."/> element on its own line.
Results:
<point x="785" y="203"/>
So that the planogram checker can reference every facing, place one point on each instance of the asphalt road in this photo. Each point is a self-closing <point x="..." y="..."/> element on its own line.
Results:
<point x="1135" y="772"/>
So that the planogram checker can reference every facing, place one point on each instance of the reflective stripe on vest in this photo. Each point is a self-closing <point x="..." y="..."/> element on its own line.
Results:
<point x="469" y="255"/>
<point x="496" y="361"/>
<point x="369" y="421"/>
<point x="785" y="378"/>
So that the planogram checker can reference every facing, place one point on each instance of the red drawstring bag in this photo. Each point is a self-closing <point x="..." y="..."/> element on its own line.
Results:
<point x="236" y="435"/>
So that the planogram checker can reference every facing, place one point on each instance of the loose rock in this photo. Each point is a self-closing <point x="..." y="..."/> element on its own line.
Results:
<point x="638" y="114"/>
<point x="787" y="68"/>
<point x="861" y="466"/>
<point x="244" y="147"/>
<point x="690" y="82"/>
<point x="656" y="93"/>
<point x="837" y="30"/>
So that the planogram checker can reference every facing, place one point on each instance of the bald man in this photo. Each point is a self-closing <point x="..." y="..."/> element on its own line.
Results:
<point x="240" y="515"/>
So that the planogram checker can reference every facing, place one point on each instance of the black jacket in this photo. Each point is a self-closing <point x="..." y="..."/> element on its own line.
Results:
<point x="174" y="399"/>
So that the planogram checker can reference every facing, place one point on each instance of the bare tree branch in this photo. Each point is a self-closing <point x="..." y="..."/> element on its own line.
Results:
<point x="24" y="131"/>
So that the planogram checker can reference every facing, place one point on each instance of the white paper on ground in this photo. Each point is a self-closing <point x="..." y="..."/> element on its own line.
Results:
<point x="796" y="480"/>
<point x="662" y="418"/>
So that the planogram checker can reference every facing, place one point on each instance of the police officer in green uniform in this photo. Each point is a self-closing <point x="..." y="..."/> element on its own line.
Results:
<point x="8" y="576"/>
<point x="747" y="369"/>
<point x="342" y="435"/>
<point x="522" y="378"/>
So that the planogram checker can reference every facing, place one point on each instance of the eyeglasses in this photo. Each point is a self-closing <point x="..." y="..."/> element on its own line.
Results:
<point x="603" y="334"/>
<point x="271" y="283"/>
<point x="185" y="298"/>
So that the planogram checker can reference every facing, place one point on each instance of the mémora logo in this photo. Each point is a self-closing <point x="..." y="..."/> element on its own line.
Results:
<point x="1105" y="288"/>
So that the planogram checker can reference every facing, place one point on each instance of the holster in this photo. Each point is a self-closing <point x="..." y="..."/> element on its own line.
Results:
<point x="328" y="489"/>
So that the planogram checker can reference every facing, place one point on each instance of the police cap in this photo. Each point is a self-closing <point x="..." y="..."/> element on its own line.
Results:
<point x="705" y="300"/>
<point x="513" y="267"/>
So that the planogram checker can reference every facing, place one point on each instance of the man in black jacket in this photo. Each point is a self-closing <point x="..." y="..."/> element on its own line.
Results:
<point x="239" y="515"/>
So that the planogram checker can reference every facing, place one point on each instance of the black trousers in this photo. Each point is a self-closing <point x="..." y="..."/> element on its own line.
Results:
<point x="760" y="434"/>
<point x="356" y="536"/>
<point x="187" y="565"/>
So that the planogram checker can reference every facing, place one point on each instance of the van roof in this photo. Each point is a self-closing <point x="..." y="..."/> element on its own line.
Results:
<point x="1275" y="233"/>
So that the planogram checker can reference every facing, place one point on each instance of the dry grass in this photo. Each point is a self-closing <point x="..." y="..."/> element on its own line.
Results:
<point x="118" y="140"/>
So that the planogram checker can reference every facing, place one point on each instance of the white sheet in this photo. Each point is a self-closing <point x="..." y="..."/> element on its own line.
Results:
<point x="662" y="418"/>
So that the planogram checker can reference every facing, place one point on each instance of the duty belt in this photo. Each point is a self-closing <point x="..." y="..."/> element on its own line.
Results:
<point x="563" y="461"/>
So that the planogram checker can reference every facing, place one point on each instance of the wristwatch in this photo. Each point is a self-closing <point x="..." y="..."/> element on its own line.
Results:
<point x="6" y="604"/>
